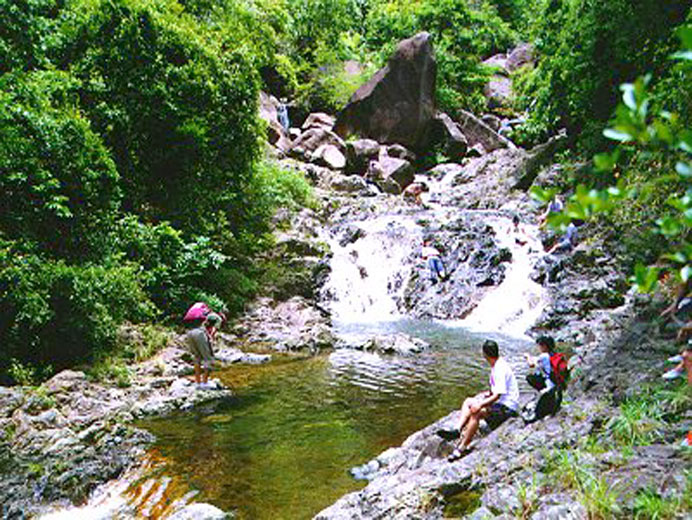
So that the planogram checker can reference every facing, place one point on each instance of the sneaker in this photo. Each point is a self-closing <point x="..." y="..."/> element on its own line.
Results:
<point x="672" y="374"/>
<point x="675" y="359"/>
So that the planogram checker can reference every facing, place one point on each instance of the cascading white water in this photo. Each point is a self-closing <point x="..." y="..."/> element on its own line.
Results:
<point x="369" y="275"/>
<point x="515" y="304"/>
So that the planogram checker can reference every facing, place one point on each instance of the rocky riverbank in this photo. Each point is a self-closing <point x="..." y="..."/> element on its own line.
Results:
<point x="60" y="440"/>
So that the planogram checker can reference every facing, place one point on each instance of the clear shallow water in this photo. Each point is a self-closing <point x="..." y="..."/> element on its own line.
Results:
<point x="282" y="448"/>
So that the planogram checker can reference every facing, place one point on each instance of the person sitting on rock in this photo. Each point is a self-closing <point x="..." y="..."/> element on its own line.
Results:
<point x="413" y="192"/>
<point x="555" y="206"/>
<point x="200" y="342"/>
<point x="542" y="380"/>
<point x="569" y="239"/>
<point x="682" y="305"/>
<point x="495" y="405"/>
<point x="518" y="232"/>
<point x="434" y="261"/>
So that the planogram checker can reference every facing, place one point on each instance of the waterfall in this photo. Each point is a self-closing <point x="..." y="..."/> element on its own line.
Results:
<point x="369" y="275"/>
<point x="515" y="304"/>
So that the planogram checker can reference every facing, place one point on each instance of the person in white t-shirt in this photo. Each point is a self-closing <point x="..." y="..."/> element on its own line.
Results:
<point x="433" y="258"/>
<point x="495" y="405"/>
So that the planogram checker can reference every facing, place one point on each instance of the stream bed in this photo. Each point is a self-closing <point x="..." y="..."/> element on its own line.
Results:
<point x="282" y="447"/>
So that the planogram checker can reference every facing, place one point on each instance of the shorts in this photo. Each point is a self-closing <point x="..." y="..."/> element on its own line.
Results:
<point x="497" y="414"/>
<point x="200" y="348"/>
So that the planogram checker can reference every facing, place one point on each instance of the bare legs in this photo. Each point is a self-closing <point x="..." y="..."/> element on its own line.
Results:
<point x="201" y="373"/>
<point x="471" y="415"/>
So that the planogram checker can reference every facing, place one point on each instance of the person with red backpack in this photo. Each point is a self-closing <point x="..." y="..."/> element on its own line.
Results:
<point x="549" y="378"/>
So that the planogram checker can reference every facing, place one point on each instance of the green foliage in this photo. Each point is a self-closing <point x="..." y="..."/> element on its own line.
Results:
<point x="587" y="49"/>
<point x="649" y="505"/>
<point x="638" y="422"/>
<point x="59" y="182"/>
<point x="461" y="34"/>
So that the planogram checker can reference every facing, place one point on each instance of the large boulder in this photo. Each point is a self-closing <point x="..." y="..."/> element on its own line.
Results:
<point x="449" y="134"/>
<point x="330" y="156"/>
<point x="521" y="55"/>
<point x="359" y="153"/>
<point x="398" y="103"/>
<point x="318" y="120"/>
<point x="391" y="174"/>
<point x="310" y="140"/>
<point x="498" y="92"/>
<point x="477" y="132"/>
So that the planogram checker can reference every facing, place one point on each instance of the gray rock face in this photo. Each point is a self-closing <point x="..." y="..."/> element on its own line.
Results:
<point x="448" y="133"/>
<point x="330" y="156"/>
<point x="498" y="61"/>
<point x="292" y="325"/>
<point x="477" y="132"/>
<point x="401" y="344"/>
<point x="498" y="92"/>
<point x="310" y="140"/>
<point x="397" y="104"/>
<point x="390" y="174"/>
<point x="521" y="55"/>
<point x="359" y="153"/>
<point x="318" y="120"/>
<point x="472" y="261"/>
<point x="76" y="430"/>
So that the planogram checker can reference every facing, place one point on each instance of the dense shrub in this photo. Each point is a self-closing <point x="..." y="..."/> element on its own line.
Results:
<point x="587" y="49"/>
<point x="59" y="184"/>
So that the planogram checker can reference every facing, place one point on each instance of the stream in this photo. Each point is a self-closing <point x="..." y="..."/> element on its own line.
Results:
<point x="282" y="447"/>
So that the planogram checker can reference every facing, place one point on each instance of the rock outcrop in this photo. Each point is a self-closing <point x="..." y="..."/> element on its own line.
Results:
<point x="398" y="103"/>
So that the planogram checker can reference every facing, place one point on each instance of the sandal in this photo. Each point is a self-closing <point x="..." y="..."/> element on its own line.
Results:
<point x="458" y="453"/>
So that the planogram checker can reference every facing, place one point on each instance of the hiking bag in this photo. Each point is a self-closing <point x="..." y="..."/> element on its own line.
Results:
<point x="559" y="371"/>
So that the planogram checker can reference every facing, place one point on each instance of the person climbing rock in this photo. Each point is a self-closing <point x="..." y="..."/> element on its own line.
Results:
<point x="200" y="342"/>
<point x="495" y="405"/>
<point x="433" y="258"/>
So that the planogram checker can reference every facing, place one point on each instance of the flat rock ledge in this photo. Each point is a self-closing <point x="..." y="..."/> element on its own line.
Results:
<point x="60" y="440"/>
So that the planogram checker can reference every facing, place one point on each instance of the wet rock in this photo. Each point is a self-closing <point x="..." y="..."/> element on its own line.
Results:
<point x="482" y="513"/>
<point x="295" y="324"/>
<point x="200" y="512"/>
<point x="352" y="184"/>
<point x="397" y="104"/>
<point x="401" y="344"/>
<point x="390" y="174"/>
<point x="442" y="171"/>
<point x="350" y="235"/>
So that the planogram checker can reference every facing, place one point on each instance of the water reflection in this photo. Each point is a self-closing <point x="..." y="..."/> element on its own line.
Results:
<point x="282" y="447"/>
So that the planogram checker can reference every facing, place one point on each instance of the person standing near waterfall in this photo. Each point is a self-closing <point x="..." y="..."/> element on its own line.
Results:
<point x="495" y="405"/>
<point x="433" y="258"/>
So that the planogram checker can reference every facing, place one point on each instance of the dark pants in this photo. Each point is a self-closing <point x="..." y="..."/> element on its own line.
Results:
<point x="498" y="414"/>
